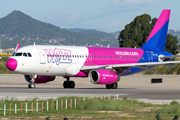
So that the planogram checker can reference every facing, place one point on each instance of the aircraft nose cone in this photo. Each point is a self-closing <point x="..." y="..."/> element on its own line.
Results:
<point x="11" y="64"/>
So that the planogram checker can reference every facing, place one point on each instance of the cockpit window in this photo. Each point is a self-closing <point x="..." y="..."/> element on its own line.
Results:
<point x="29" y="54"/>
<point x="18" y="54"/>
<point x="24" y="54"/>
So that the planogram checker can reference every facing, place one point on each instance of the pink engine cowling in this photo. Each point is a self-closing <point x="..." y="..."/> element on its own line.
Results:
<point x="40" y="79"/>
<point x="103" y="76"/>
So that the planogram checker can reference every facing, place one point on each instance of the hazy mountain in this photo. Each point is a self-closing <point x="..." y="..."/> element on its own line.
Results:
<point x="98" y="35"/>
<point x="19" y="27"/>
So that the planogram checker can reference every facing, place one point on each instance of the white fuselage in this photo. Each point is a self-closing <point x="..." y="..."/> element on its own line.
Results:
<point x="51" y="60"/>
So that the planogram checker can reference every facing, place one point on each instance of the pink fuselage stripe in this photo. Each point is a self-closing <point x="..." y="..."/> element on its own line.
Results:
<point x="100" y="56"/>
<point x="163" y="18"/>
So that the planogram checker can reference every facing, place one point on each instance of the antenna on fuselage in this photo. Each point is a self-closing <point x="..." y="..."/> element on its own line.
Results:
<point x="34" y="43"/>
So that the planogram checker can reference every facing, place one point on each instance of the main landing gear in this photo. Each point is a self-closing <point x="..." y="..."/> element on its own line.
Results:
<point x="68" y="83"/>
<point x="112" y="86"/>
<point x="32" y="85"/>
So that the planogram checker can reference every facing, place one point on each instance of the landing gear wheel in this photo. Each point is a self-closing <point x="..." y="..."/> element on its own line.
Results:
<point x="31" y="85"/>
<point x="112" y="86"/>
<point x="71" y="84"/>
<point x="65" y="84"/>
<point x="108" y="86"/>
<point x="115" y="85"/>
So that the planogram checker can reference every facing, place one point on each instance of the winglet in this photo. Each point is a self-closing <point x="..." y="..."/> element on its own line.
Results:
<point x="17" y="47"/>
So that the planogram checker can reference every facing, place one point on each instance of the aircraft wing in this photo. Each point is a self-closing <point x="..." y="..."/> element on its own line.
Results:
<point x="130" y="65"/>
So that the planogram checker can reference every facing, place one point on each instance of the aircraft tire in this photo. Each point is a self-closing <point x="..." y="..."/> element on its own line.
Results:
<point x="108" y="86"/>
<point x="71" y="84"/>
<point x="65" y="84"/>
<point x="31" y="85"/>
<point x="114" y="85"/>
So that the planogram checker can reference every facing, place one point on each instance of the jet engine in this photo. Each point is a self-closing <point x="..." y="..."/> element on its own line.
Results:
<point x="103" y="76"/>
<point x="40" y="79"/>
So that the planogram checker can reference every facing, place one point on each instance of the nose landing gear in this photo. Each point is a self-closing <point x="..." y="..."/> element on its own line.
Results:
<point x="68" y="83"/>
<point x="32" y="85"/>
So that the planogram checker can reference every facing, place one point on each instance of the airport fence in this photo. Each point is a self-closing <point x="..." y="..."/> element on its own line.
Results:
<point x="15" y="107"/>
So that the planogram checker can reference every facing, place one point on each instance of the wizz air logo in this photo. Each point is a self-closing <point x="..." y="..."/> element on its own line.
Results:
<point x="126" y="53"/>
<point x="58" y="56"/>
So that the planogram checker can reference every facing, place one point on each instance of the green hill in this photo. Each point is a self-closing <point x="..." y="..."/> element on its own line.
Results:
<point x="19" y="27"/>
<point x="103" y="37"/>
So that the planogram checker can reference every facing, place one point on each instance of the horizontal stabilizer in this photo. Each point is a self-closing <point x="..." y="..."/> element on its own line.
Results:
<point x="164" y="57"/>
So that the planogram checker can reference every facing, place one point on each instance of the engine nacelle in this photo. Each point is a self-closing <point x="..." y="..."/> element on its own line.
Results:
<point x="40" y="79"/>
<point x="103" y="76"/>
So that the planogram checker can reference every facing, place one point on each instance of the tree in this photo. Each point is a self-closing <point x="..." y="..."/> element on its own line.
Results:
<point x="171" y="44"/>
<point x="136" y="33"/>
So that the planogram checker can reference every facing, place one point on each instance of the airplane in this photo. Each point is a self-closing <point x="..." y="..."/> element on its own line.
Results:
<point x="102" y="65"/>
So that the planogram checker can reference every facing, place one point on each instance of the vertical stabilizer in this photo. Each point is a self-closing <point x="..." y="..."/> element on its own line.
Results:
<point x="157" y="37"/>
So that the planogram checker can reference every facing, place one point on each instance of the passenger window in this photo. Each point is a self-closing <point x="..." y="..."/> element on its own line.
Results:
<point x="82" y="56"/>
<point x="24" y="54"/>
<point x="18" y="54"/>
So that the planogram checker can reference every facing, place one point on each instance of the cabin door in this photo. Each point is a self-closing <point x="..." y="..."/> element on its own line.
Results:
<point x="42" y="56"/>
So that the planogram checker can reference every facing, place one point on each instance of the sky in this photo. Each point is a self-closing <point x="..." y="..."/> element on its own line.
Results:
<point x="103" y="15"/>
